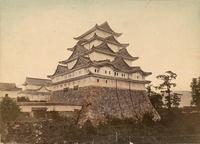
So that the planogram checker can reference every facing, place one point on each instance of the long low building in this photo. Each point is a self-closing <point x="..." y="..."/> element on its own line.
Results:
<point x="9" y="89"/>
<point x="36" y="89"/>
<point x="33" y="107"/>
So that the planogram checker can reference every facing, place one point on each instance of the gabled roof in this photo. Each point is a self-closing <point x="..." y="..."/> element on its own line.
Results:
<point x="78" y="50"/>
<point x="59" y="70"/>
<point x="103" y="27"/>
<point x="125" y="54"/>
<point x="120" y="64"/>
<point x="82" y="62"/>
<point x="110" y="39"/>
<point x="9" y="87"/>
<point x="103" y="48"/>
<point x="37" y="81"/>
<point x="34" y="92"/>
<point x="138" y="69"/>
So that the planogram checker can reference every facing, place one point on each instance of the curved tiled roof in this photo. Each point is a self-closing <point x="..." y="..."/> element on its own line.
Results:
<point x="37" y="81"/>
<point x="82" y="62"/>
<point x="59" y="70"/>
<point x="9" y="87"/>
<point x="125" y="54"/>
<point x="103" y="27"/>
<point x="110" y="39"/>
<point x="78" y="51"/>
<point x="35" y="92"/>
<point x="104" y="48"/>
<point x="118" y="64"/>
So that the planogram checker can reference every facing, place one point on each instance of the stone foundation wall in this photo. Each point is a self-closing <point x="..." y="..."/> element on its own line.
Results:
<point x="101" y="102"/>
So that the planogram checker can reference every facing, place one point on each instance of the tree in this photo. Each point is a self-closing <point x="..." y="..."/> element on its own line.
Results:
<point x="195" y="86"/>
<point x="9" y="110"/>
<point x="166" y="86"/>
<point x="176" y="99"/>
<point x="147" y="119"/>
<point x="155" y="98"/>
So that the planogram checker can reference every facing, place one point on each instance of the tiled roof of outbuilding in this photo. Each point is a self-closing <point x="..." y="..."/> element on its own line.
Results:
<point x="37" y="81"/>
<point x="9" y="87"/>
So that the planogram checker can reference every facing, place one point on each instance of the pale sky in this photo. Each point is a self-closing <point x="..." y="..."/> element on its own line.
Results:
<point x="35" y="34"/>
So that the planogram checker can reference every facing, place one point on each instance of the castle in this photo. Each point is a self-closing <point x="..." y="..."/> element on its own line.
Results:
<point x="98" y="59"/>
<point x="100" y="77"/>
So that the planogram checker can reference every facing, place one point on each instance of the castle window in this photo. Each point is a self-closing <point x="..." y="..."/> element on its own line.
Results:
<point x="106" y="81"/>
<point x="95" y="70"/>
<point x="109" y="72"/>
<point x="76" y="87"/>
<point x="65" y="89"/>
<point x="97" y="80"/>
<point x="105" y="72"/>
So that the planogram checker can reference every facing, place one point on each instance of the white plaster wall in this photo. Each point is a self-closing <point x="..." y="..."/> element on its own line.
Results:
<point x="73" y="74"/>
<point x="120" y="84"/>
<point x="71" y="64"/>
<point x="102" y="82"/>
<point x="106" y="71"/>
<point x="129" y="62"/>
<point x="99" y="56"/>
<point x="59" y="108"/>
<point x="92" y="43"/>
<point x="136" y="76"/>
<point x="35" y="97"/>
<point x="114" y="47"/>
<point x="31" y="87"/>
<point x="43" y="89"/>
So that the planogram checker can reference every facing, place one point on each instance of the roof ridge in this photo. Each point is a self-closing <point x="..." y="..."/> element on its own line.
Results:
<point x="37" y="78"/>
<point x="104" y="27"/>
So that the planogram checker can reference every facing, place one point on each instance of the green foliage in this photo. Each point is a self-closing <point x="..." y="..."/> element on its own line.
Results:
<point x="195" y="86"/>
<point x="9" y="110"/>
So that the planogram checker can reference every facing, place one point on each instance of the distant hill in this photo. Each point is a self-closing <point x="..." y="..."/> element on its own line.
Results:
<point x="185" y="98"/>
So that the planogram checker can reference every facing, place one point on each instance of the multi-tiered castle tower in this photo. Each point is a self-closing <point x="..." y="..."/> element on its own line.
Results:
<point x="99" y="75"/>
